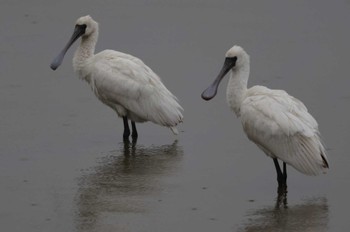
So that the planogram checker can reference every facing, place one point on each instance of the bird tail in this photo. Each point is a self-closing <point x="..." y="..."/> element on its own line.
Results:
<point x="174" y="130"/>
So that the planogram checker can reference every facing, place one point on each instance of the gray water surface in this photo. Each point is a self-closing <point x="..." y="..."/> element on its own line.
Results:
<point x="64" y="166"/>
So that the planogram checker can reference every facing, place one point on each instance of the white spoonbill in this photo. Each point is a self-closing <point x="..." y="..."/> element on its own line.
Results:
<point x="276" y="122"/>
<point x="121" y="81"/>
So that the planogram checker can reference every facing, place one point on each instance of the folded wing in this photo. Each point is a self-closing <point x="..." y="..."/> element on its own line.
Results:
<point x="125" y="80"/>
<point x="281" y="126"/>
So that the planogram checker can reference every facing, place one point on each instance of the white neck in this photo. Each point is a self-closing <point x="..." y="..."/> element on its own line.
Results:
<point x="237" y="87"/>
<point x="85" y="50"/>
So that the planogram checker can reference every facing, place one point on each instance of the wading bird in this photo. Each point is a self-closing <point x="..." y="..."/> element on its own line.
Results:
<point x="121" y="81"/>
<point x="276" y="122"/>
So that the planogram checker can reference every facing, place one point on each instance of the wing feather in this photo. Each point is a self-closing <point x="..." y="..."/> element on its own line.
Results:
<point x="125" y="80"/>
<point x="281" y="125"/>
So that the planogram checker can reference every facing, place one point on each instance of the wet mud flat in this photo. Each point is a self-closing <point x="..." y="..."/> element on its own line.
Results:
<point x="63" y="163"/>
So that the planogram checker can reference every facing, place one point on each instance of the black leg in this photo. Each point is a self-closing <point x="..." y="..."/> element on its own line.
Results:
<point x="126" y="133"/>
<point x="281" y="176"/>
<point x="129" y="148"/>
<point x="126" y="146"/>
<point x="134" y="131"/>
<point x="282" y="184"/>
<point x="285" y="173"/>
<point x="279" y="172"/>
<point x="281" y="199"/>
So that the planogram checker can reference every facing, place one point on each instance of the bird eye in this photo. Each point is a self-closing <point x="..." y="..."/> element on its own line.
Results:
<point x="82" y="26"/>
<point x="231" y="61"/>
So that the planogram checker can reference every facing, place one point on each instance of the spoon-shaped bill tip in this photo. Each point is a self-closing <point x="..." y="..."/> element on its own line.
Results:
<point x="210" y="92"/>
<point x="56" y="62"/>
<point x="53" y="67"/>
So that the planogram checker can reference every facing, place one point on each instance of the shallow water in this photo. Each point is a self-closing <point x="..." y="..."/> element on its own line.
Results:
<point x="64" y="166"/>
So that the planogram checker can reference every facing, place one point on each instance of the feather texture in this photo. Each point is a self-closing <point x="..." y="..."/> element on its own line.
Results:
<point x="276" y="122"/>
<point x="281" y="125"/>
<point x="121" y="81"/>
<point x="130" y="87"/>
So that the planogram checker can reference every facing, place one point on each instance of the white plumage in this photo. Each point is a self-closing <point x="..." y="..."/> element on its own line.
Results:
<point x="281" y="125"/>
<point x="132" y="89"/>
<point x="277" y="122"/>
<point x="122" y="81"/>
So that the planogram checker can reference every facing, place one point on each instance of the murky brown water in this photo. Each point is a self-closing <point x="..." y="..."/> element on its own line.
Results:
<point x="63" y="166"/>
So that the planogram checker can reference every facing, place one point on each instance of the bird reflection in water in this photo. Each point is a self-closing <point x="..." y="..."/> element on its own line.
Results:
<point x="125" y="182"/>
<point x="311" y="215"/>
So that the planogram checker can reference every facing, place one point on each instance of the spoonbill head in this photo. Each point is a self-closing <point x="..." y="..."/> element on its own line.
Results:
<point x="276" y="122"/>
<point x="235" y="58"/>
<point x="121" y="81"/>
<point x="84" y="26"/>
